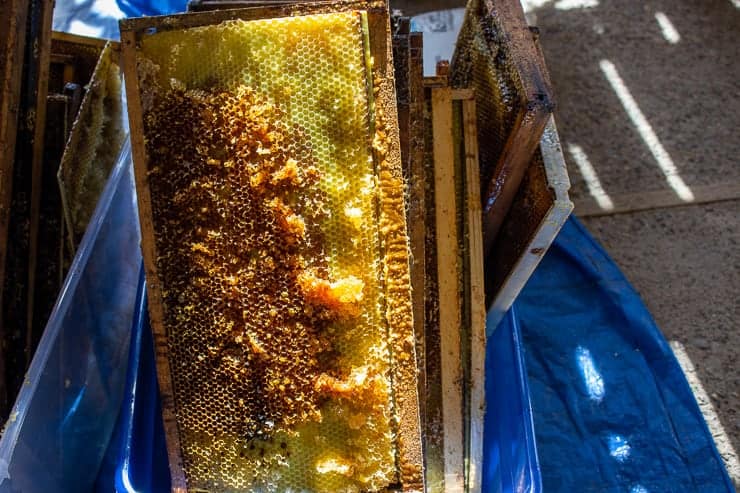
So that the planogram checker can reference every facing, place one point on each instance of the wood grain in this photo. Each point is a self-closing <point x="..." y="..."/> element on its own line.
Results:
<point x="149" y="250"/>
<point x="476" y="308"/>
<point x="449" y="294"/>
<point x="43" y="53"/>
<point x="12" y="47"/>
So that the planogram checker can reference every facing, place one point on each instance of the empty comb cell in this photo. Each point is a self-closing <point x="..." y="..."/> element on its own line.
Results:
<point x="273" y="223"/>
<point x="94" y="143"/>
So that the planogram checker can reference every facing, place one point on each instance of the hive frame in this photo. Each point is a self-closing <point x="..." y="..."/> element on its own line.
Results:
<point x="12" y="46"/>
<point x="541" y="207"/>
<point x="108" y="60"/>
<point x="25" y="30"/>
<point x="474" y="308"/>
<point x="516" y="63"/>
<point x="409" y="74"/>
<point x="46" y="267"/>
<point x="397" y="286"/>
<point x="455" y="354"/>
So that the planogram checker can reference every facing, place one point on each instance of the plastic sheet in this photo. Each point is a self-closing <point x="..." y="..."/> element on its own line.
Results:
<point x="65" y="413"/>
<point x="612" y="409"/>
<point x="99" y="18"/>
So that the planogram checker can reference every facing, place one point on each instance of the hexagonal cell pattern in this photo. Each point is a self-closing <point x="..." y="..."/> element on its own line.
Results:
<point x="264" y="197"/>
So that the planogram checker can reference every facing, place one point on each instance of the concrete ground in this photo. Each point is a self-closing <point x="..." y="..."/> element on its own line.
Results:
<point x="664" y="129"/>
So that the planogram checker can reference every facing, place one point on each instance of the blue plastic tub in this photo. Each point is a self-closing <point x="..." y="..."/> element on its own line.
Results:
<point x="66" y="410"/>
<point x="140" y="456"/>
<point x="509" y="448"/>
<point x="136" y="460"/>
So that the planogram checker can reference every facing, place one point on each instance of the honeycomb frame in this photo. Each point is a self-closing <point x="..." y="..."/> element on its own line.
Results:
<point x="96" y="137"/>
<point x="498" y="56"/>
<point x="391" y="215"/>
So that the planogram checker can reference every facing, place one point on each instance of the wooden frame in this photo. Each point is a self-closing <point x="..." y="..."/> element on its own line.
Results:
<point x="416" y="217"/>
<point x="206" y="5"/>
<point x="43" y="56"/>
<point x="457" y="295"/>
<point x="133" y="28"/>
<point x="64" y="59"/>
<point x="496" y="40"/>
<point x="391" y="181"/>
<point x="12" y="47"/>
<point x="30" y="163"/>
<point x="541" y="207"/>
<point x="77" y="39"/>
<point x="448" y="268"/>
<point x="46" y="266"/>
<point x="108" y="61"/>
<point x="26" y="32"/>
<point x="409" y="74"/>
<point x="42" y="53"/>
<point x="77" y="57"/>
<point x="474" y="300"/>
<point x="433" y="426"/>
<point x="408" y="7"/>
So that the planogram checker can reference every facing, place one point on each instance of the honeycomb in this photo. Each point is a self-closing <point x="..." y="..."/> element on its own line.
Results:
<point x="481" y="61"/>
<point x="94" y="143"/>
<point x="270" y="210"/>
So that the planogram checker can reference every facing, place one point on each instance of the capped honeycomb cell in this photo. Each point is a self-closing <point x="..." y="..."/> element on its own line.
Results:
<point x="278" y="270"/>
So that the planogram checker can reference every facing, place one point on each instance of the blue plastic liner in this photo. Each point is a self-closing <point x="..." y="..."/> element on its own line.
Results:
<point x="65" y="412"/>
<point x="612" y="409"/>
<point x="138" y="449"/>
<point x="509" y="448"/>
